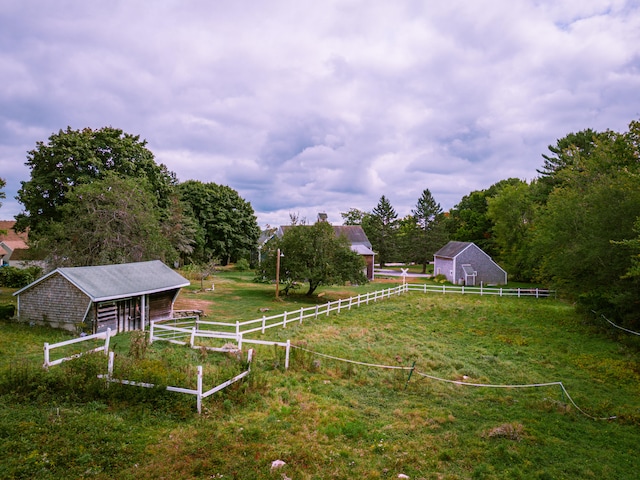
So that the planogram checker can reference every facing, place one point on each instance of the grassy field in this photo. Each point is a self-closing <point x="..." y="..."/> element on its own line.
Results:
<point x="327" y="418"/>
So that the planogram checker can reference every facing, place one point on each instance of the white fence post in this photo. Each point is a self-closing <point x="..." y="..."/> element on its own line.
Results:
<point x="350" y="302"/>
<point x="239" y="339"/>
<point x="106" y="342"/>
<point x="286" y="356"/>
<point x="112" y="357"/>
<point x="237" y="327"/>
<point x="199" y="389"/>
<point x="284" y="320"/>
<point x="193" y="337"/>
<point x="151" y="326"/>
<point x="317" y="308"/>
<point x="301" y="311"/>
<point x="46" y="355"/>
<point x="264" y="321"/>
<point x="339" y="305"/>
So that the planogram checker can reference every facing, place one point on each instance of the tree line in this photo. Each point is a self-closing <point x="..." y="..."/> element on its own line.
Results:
<point x="98" y="197"/>
<point x="575" y="228"/>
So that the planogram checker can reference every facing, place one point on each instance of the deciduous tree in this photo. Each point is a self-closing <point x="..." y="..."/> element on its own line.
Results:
<point x="227" y="221"/>
<point x="512" y="213"/>
<point x="580" y="235"/>
<point x="353" y="216"/>
<point x="77" y="157"/>
<point x="111" y="220"/>
<point x="312" y="253"/>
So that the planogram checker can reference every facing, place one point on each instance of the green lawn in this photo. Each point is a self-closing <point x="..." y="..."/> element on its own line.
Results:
<point x="331" y="419"/>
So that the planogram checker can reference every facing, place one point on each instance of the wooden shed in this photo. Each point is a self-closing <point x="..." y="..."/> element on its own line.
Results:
<point x="91" y="299"/>
<point x="465" y="263"/>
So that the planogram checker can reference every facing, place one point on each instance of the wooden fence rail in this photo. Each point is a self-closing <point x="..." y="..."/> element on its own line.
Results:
<point x="48" y="347"/>
<point x="502" y="292"/>
<point x="170" y="330"/>
<point x="198" y="391"/>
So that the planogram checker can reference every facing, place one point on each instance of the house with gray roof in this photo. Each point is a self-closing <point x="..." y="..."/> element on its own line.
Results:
<point x="91" y="299"/>
<point x="357" y="239"/>
<point x="464" y="263"/>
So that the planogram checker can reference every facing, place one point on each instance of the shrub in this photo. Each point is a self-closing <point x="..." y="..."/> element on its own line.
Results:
<point x="13" y="277"/>
<point x="7" y="310"/>
<point x="242" y="265"/>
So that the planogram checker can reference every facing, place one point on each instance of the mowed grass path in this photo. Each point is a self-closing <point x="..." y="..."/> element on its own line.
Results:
<point x="331" y="419"/>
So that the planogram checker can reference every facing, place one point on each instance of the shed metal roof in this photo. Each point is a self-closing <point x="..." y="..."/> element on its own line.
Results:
<point x="452" y="249"/>
<point x="110" y="282"/>
<point x="362" y="250"/>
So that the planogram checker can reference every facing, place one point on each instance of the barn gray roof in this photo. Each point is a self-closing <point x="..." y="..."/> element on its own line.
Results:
<point x="354" y="233"/>
<point x="110" y="282"/>
<point x="452" y="249"/>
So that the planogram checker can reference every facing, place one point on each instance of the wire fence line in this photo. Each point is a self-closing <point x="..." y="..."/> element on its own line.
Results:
<point x="616" y="326"/>
<point x="413" y="369"/>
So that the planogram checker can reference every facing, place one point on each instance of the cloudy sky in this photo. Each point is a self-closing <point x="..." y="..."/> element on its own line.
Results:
<point x="305" y="106"/>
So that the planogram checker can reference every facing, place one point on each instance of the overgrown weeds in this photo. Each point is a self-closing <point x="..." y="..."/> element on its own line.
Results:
<point x="326" y="418"/>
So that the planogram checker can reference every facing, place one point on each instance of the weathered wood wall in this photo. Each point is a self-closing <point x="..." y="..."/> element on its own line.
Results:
<point x="56" y="302"/>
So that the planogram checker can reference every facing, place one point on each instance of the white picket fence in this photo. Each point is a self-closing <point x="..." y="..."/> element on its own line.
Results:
<point x="481" y="290"/>
<point x="48" y="347"/>
<point x="198" y="391"/>
<point x="186" y="330"/>
<point x="178" y="330"/>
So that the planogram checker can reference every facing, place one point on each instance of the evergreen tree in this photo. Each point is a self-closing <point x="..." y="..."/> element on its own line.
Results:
<point x="381" y="227"/>
<point x="429" y="233"/>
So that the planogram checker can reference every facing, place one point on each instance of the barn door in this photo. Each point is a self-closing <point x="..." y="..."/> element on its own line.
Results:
<point x="129" y="317"/>
<point x="107" y="317"/>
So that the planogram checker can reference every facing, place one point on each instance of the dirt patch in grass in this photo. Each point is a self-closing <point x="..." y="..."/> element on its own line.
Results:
<point x="193" y="304"/>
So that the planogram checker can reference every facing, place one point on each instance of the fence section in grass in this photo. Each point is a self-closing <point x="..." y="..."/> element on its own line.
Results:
<point x="87" y="338"/>
<point x="481" y="290"/>
<point x="199" y="392"/>
<point x="178" y="330"/>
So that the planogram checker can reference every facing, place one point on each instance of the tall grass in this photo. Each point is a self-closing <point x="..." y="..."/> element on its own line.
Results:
<point x="332" y="419"/>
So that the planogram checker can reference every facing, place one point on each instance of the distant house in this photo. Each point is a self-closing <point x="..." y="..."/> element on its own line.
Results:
<point x="356" y="237"/>
<point x="465" y="263"/>
<point x="14" y="251"/>
<point x="91" y="299"/>
<point x="359" y="244"/>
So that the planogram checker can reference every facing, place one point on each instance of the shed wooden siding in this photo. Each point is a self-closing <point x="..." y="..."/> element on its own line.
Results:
<point x="161" y="304"/>
<point x="370" y="266"/>
<point x="54" y="302"/>
<point x="489" y="272"/>
<point x="444" y="266"/>
<point x="450" y="259"/>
